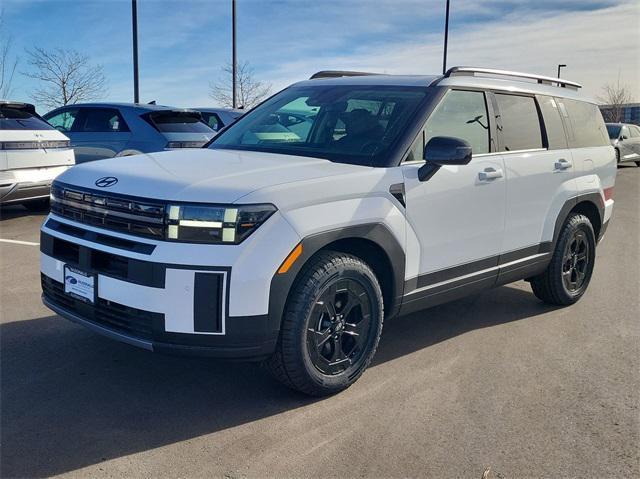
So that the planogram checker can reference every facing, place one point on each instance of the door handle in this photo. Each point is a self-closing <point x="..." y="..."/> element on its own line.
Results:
<point x="563" y="164"/>
<point x="489" y="174"/>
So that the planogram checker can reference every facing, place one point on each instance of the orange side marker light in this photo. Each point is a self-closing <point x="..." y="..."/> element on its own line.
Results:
<point x="293" y="256"/>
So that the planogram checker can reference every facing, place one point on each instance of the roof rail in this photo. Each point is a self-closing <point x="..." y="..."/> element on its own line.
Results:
<point x="338" y="74"/>
<point x="492" y="72"/>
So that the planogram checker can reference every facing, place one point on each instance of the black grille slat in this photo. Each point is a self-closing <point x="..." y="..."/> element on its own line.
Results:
<point x="114" y="316"/>
<point x="131" y="216"/>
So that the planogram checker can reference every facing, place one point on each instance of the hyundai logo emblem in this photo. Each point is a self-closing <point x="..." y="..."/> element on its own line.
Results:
<point x="106" y="181"/>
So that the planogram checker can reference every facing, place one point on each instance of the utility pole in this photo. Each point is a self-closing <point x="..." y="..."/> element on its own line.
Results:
<point x="446" y="40"/>
<point x="559" y="67"/>
<point x="134" y="23"/>
<point x="234" y="62"/>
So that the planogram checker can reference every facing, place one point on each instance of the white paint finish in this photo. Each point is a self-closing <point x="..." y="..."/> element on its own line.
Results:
<point x="456" y="217"/>
<point x="52" y="268"/>
<point x="536" y="191"/>
<point x="608" y="209"/>
<point x="254" y="261"/>
<point x="175" y="300"/>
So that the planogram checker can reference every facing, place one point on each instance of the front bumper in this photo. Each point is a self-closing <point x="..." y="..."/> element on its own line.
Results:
<point x="215" y="307"/>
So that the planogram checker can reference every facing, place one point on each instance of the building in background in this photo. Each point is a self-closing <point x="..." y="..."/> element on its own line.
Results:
<point x="627" y="113"/>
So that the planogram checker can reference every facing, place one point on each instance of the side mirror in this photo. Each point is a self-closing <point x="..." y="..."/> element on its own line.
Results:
<point x="624" y="137"/>
<point x="441" y="151"/>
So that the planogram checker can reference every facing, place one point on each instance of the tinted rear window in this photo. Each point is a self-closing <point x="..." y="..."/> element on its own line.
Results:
<point x="587" y="126"/>
<point x="556" y="137"/>
<point x="178" y="122"/>
<point x="614" y="131"/>
<point x="520" y="123"/>
<point x="18" y="119"/>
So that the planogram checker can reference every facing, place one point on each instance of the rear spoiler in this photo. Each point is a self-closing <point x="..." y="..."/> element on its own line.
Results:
<point x="17" y="105"/>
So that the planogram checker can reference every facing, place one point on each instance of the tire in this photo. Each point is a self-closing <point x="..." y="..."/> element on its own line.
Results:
<point x="573" y="259"/>
<point x="37" y="205"/>
<point x="617" y="157"/>
<point x="638" y="164"/>
<point x="326" y="340"/>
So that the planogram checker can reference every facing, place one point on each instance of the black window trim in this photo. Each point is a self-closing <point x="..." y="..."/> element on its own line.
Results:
<point x="498" y="118"/>
<point x="493" y="150"/>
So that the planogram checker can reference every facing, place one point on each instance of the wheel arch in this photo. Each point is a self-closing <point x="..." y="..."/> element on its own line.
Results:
<point x="374" y="243"/>
<point x="591" y="205"/>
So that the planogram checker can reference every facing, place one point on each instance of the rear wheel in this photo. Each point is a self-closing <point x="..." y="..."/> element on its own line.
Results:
<point x="567" y="277"/>
<point x="617" y="156"/>
<point x="331" y="325"/>
<point x="637" y="163"/>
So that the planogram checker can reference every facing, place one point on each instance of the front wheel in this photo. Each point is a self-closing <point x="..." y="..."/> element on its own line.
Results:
<point x="568" y="275"/>
<point x="331" y="325"/>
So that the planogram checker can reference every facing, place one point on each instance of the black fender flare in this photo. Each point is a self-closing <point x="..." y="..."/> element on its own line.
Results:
<point x="377" y="233"/>
<point x="570" y="204"/>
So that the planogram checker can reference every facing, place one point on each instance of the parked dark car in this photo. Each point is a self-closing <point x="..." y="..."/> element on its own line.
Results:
<point x="625" y="139"/>
<point x="105" y="130"/>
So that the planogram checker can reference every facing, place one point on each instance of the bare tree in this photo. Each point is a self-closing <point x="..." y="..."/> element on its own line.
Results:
<point x="249" y="90"/>
<point x="8" y="62"/>
<point x="615" y="96"/>
<point x="67" y="75"/>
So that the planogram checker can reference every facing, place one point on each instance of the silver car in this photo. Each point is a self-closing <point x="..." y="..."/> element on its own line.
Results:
<point x="105" y="130"/>
<point x="625" y="138"/>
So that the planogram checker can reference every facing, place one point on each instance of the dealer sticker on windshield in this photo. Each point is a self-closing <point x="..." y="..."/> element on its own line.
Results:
<point x="79" y="284"/>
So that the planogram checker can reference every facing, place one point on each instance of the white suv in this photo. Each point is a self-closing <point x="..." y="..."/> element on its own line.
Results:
<point x="337" y="203"/>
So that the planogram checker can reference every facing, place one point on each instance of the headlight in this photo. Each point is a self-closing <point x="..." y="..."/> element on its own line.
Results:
<point x="215" y="224"/>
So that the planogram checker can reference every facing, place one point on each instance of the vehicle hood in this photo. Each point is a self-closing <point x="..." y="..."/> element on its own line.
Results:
<point x="201" y="175"/>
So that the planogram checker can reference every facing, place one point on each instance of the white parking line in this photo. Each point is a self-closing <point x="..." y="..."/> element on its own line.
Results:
<point x="28" y="243"/>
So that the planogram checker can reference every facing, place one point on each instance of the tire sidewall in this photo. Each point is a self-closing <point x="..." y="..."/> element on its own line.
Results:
<point x="361" y="273"/>
<point x="577" y="223"/>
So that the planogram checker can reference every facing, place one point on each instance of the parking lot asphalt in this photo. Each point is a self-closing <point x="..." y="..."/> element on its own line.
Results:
<point x="498" y="380"/>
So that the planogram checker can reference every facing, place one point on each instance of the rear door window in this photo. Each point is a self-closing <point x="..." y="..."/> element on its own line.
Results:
<point x="634" y="131"/>
<point x="178" y="122"/>
<point x="461" y="114"/>
<point x="15" y="118"/>
<point x="556" y="137"/>
<point x="519" y="122"/>
<point x="586" y="124"/>
<point x="63" y="120"/>
<point x="103" y="120"/>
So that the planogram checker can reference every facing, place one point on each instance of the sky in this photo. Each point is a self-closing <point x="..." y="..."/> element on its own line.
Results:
<point x="183" y="44"/>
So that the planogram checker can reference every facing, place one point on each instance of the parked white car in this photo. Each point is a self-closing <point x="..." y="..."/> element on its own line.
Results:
<point x="32" y="154"/>
<point x="293" y="245"/>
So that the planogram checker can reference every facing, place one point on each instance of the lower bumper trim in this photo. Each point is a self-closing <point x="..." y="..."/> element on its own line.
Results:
<point x="140" y="343"/>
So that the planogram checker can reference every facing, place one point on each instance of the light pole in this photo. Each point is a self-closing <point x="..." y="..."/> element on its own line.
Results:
<point x="446" y="40"/>
<point x="134" y="23"/>
<point x="559" y="67"/>
<point x="234" y="62"/>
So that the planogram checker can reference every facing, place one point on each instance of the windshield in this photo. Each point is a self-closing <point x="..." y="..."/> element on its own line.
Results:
<point x="12" y="118"/>
<point x="179" y="122"/>
<point x="348" y="124"/>
<point x="614" y="131"/>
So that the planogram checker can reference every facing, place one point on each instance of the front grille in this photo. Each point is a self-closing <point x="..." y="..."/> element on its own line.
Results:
<point x="116" y="317"/>
<point x="131" y="216"/>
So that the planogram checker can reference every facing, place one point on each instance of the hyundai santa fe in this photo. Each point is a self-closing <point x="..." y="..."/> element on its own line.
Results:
<point x="292" y="246"/>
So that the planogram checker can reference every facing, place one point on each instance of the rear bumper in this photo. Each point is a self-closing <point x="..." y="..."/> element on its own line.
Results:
<point x="22" y="192"/>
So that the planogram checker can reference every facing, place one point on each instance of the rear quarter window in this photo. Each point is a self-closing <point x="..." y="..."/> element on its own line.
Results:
<point x="586" y="125"/>
<point x="556" y="137"/>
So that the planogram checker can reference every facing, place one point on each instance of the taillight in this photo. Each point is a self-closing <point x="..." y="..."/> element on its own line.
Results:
<point x="33" y="145"/>
<point x="186" y="144"/>
<point x="608" y="193"/>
